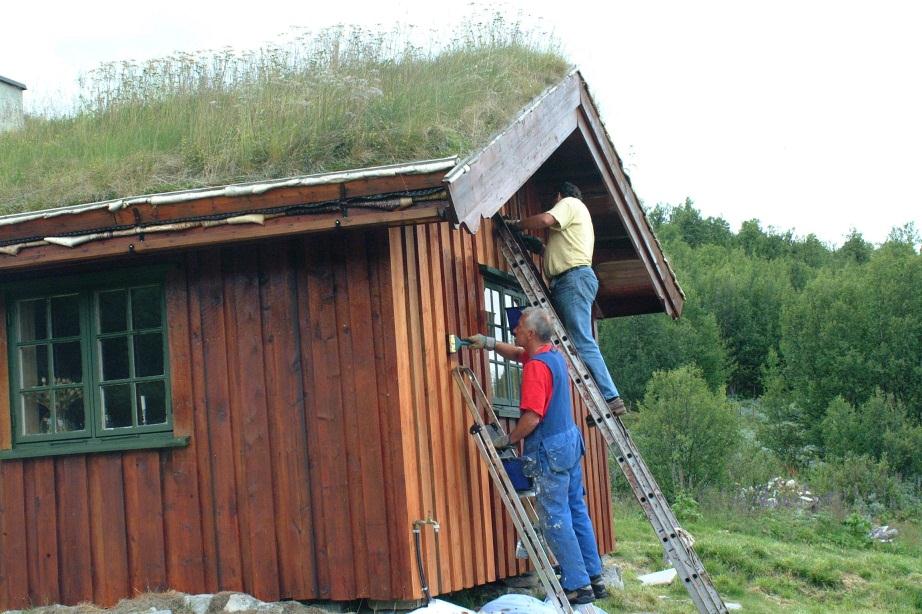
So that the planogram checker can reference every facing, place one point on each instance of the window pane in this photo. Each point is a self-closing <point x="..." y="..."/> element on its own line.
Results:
<point x="114" y="358"/>
<point x="71" y="416"/>
<point x="116" y="406"/>
<point x="501" y="381"/>
<point x="68" y="366"/>
<point x="34" y="364"/>
<point x="113" y="311"/>
<point x="515" y="384"/>
<point x="497" y="309"/>
<point x="488" y="304"/>
<point x="151" y="403"/>
<point x="65" y="316"/>
<point x="36" y="413"/>
<point x="145" y="307"/>
<point x="148" y="355"/>
<point x="33" y="322"/>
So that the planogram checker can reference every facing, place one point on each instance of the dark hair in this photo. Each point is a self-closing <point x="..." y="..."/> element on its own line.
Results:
<point x="566" y="189"/>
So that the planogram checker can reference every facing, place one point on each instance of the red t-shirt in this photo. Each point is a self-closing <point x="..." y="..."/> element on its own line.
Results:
<point x="537" y="383"/>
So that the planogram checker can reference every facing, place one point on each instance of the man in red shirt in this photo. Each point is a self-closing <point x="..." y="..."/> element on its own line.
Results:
<point x="553" y="448"/>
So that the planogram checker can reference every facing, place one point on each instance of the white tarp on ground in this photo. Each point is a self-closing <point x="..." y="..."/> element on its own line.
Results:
<point x="512" y="603"/>
<point x="526" y="604"/>
<point x="437" y="606"/>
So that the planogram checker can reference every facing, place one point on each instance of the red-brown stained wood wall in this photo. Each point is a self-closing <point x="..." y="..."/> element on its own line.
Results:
<point x="439" y="290"/>
<point x="282" y="361"/>
<point x="312" y="377"/>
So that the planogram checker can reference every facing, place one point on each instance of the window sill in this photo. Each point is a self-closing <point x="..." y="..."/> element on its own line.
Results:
<point x="507" y="411"/>
<point x="89" y="447"/>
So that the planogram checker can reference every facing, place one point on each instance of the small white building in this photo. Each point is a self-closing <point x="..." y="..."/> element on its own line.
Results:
<point x="10" y="104"/>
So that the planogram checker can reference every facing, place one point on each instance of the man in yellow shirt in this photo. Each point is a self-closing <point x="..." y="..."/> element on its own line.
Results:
<point x="573" y="283"/>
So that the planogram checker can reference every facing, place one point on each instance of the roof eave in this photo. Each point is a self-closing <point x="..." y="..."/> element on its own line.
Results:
<point x="12" y="82"/>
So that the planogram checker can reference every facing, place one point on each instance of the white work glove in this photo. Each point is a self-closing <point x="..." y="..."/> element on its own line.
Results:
<point x="499" y="441"/>
<point x="478" y="342"/>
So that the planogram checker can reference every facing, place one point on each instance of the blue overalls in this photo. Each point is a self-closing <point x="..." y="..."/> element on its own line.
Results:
<point x="555" y="448"/>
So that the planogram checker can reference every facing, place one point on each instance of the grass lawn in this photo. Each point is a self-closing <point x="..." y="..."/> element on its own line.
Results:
<point x="775" y="562"/>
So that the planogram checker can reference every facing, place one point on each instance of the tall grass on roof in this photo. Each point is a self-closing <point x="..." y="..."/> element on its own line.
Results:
<point x="339" y="98"/>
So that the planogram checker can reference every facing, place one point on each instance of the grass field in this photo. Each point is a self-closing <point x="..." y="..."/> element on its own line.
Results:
<point x="776" y="562"/>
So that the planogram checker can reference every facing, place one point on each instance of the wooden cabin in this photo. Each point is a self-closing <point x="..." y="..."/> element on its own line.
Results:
<point x="248" y="387"/>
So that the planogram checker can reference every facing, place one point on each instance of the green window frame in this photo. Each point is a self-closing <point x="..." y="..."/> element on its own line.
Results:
<point x="501" y="290"/>
<point x="89" y="364"/>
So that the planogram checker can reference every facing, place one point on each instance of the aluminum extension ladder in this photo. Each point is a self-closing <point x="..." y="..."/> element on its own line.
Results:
<point x="689" y="567"/>
<point x="520" y="507"/>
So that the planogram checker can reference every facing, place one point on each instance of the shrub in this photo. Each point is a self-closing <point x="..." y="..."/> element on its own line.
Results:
<point x="879" y="429"/>
<point x="687" y="433"/>
<point x="860" y="481"/>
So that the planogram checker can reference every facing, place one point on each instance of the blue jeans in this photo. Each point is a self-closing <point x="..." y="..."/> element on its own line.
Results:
<point x="572" y="295"/>
<point x="561" y="507"/>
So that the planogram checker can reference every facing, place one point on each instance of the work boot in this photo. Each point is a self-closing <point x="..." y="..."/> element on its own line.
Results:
<point x="616" y="406"/>
<point x="581" y="596"/>
<point x="598" y="587"/>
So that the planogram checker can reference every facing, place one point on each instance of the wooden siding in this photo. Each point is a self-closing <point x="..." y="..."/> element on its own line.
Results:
<point x="282" y="375"/>
<point x="438" y="289"/>
<point x="312" y="377"/>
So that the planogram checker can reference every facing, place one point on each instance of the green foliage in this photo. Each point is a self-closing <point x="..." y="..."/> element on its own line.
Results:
<point x="879" y="429"/>
<point x="636" y="347"/>
<point x="746" y="296"/>
<point x="855" y="250"/>
<point x="686" y="508"/>
<point x="857" y="525"/>
<point x="824" y="349"/>
<point x="857" y="329"/>
<point x="693" y="229"/>
<point x="862" y="482"/>
<point x="784" y="426"/>
<point x="339" y="98"/>
<point x="686" y="432"/>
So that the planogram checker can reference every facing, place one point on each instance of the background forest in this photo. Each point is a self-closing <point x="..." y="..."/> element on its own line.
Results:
<point x="791" y="359"/>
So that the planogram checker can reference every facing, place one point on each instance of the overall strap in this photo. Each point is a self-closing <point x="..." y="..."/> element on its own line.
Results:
<point x="558" y="417"/>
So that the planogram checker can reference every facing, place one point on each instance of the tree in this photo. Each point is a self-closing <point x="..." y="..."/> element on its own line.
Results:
<point x="686" y="432"/>
<point x="857" y="329"/>
<point x="783" y="428"/>
<point x="855" y="249"/>
<point x="634" y="348"/>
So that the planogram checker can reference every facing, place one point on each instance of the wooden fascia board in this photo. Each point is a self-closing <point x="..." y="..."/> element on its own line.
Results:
<point x="622" y="194"/>
<point x="480" y="185"/>
<point x="143" y="214"/>
<point x="202" y="236"/>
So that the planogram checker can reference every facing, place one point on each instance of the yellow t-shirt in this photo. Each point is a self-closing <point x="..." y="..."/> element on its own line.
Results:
<point x="571" y="239"/>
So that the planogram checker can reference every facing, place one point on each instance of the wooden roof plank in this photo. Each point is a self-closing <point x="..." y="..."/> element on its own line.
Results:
<point x="481" y="184"/>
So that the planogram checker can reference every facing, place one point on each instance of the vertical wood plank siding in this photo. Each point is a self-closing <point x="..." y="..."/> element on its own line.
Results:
<point x="439" y="290"/>
<point x="292" y="486"/>
<point x="312" y="377"/>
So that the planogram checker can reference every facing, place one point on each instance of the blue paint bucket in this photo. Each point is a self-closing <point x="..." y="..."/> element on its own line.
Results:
<point x="518" y="478"/>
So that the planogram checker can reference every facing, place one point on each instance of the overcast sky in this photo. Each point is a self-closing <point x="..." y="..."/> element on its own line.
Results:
<point x="805" y="115"/>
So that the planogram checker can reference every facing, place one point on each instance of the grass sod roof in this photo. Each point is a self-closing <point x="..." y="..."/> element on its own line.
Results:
<point x="339" y="99"/>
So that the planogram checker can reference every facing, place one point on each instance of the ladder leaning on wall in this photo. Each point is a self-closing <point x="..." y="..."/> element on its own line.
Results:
<point x="673" y="538"/>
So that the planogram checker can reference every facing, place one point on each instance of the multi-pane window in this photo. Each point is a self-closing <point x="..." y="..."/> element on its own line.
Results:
<point x="501" y="291"/>
<point x="88" y="362"/>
